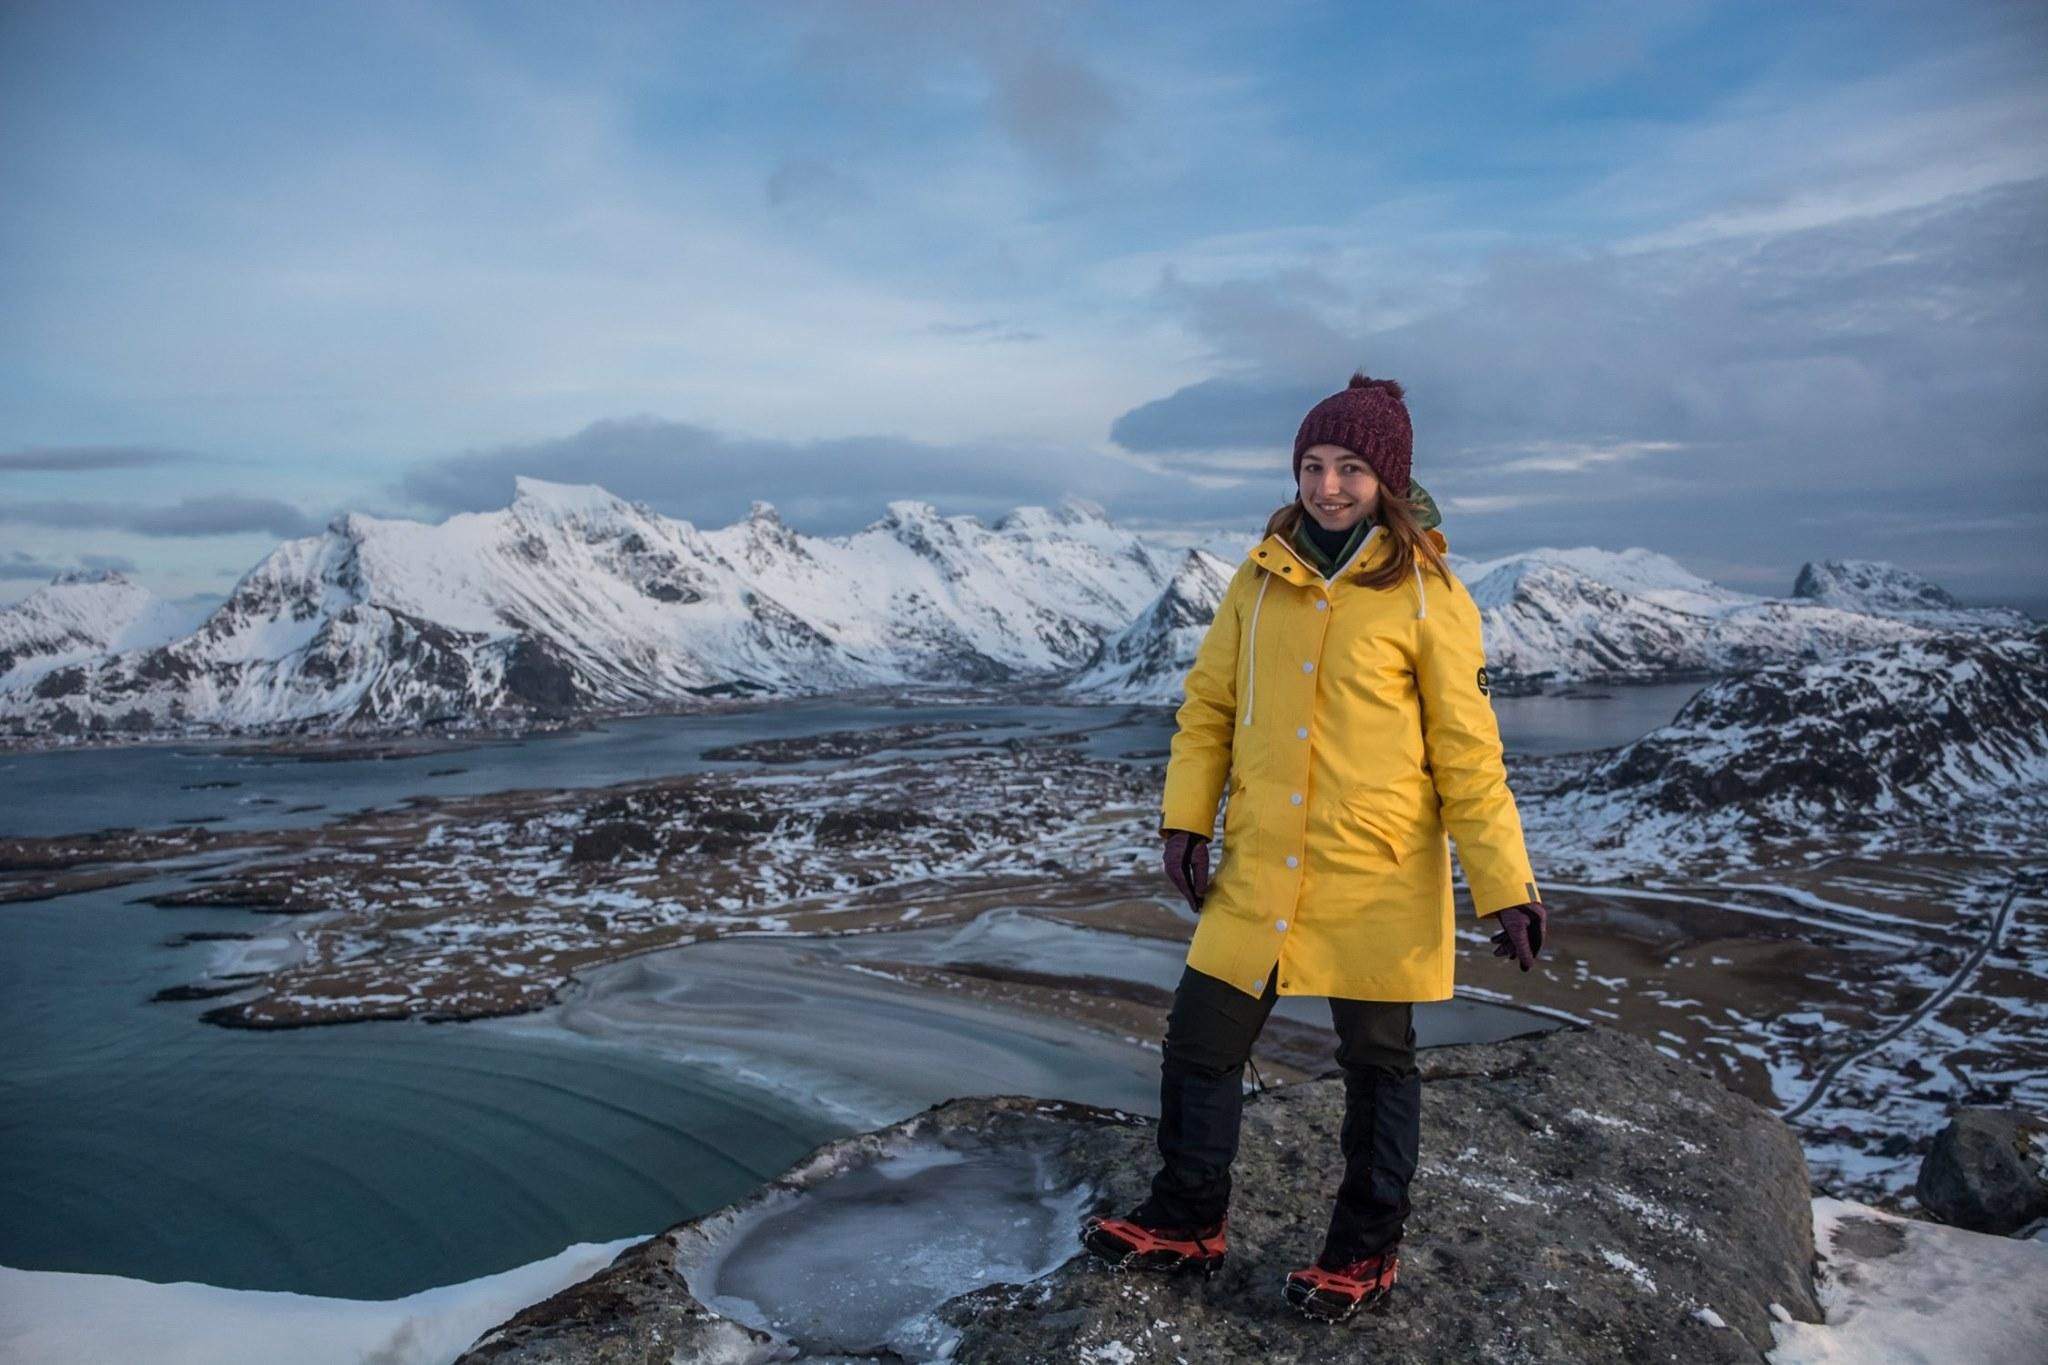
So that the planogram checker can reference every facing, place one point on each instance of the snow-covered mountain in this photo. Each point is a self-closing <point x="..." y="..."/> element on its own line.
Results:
<point x="1555" y="615"/>
<point x="1150" y="657"/>
<point x="1881" y="589"/>
<point x="79" y="617"/>
<point x="1924" y="731"/>
<point x="572" y="598"/>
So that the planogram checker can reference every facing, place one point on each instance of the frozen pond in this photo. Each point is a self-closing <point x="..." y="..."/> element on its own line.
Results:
<point x="808" y="1018"/>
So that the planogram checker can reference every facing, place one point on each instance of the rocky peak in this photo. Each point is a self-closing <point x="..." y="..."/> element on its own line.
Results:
<point x="918" y="527"/>
<point x="910" y="512"/>
<point x="1195" y="590"/>
<point x="538" y="501"/>
<point x="1074" y="511"/>
<point x="1869" y="585"/>
<point x="768" y="538"/>
<point x="1025" y="519"/>
<point x="84" y="577"/>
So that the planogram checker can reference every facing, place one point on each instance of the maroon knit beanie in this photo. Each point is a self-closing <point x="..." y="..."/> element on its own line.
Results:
<point x="1367" y="417"/>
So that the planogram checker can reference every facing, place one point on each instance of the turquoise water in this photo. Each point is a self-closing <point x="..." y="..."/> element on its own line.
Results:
<point x="365" y="1161"/>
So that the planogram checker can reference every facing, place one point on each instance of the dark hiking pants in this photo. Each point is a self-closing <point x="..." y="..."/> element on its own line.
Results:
<point x="1209" y="1038"/>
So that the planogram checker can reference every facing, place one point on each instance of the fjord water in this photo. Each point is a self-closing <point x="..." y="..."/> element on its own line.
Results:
<point x="364" y="1161"/>
<point x="372" y="1160"/>
<point x="240" y="787"/>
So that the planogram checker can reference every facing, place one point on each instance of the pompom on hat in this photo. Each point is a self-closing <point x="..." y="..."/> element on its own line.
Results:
<point x="1369" y="417"/>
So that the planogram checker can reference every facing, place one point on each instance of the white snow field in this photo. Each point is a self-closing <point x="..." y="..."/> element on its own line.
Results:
<point x="50" y="1317"/>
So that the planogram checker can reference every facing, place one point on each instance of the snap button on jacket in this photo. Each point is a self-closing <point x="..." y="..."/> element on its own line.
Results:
<point x="1342" y="836"/>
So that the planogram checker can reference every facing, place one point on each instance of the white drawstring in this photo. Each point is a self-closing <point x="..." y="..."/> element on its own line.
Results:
<point x="1251" y="653"/>
<point x="1421" y="597"/>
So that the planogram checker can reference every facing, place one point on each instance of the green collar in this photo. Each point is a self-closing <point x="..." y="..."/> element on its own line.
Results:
<point x="1304" y="544"/>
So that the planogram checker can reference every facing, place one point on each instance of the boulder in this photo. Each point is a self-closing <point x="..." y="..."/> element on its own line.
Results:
<point x="1581" y="1197"/>
<point x="1987" y="1171"/>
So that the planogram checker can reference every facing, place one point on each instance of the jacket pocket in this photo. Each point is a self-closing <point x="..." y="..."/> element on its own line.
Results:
<point x="1360" y="815"/>
<point x="1237" y="817"/>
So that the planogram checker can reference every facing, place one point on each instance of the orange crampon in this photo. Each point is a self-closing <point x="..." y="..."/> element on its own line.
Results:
<point x="1334" y="1294"/>
<point x="1129" y="1245"/>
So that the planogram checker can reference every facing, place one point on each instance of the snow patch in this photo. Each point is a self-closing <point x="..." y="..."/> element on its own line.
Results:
<point x="1896" y="1291"/>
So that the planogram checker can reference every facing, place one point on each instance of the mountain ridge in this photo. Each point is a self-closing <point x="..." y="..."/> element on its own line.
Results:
<point x="571" y="600"/>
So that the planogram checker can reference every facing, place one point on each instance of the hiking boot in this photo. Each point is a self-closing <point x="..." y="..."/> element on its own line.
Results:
<point x="1332" y="1293"/>
<point x="1128" y="1244"/>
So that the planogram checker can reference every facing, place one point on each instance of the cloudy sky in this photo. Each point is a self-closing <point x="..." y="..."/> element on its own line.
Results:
<point x="1745" y="283"/>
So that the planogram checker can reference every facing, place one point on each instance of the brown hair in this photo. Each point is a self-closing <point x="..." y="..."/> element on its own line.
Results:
<point x="1397" y="516"/>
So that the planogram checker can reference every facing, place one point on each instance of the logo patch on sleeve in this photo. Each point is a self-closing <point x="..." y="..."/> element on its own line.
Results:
<point x="1484" y="689"/>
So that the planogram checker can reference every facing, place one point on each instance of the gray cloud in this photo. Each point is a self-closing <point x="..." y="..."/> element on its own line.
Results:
<point x="1041" y="93"/>
<point x="1219" y="415"/>
<point x="1054" y="106"/>
<point x="989" y="330"/>
<point x="75" y="459"/>
<point x="203" y="516"/>
<point x="15" y="565"/>
<point x="1701" y="400"/>
<point x="711" y="478"/>
<point x="1281" y="318"/>
<point x="814" y="185"/>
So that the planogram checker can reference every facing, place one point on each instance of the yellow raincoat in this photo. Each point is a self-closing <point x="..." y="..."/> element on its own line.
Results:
<point x="1351" y="728"/>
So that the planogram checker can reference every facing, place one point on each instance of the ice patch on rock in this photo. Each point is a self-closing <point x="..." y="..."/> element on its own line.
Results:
<point x="857" y="1264"/>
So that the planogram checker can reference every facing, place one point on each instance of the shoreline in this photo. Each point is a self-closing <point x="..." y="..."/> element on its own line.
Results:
<point x="295" y="741"/>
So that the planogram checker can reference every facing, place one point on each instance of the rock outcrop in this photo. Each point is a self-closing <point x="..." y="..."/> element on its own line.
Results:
<point x="1581" y="1198"/>
<point x="1988" y="1171"/>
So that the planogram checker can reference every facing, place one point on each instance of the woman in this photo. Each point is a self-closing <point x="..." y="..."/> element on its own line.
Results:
<point x="1340" y="701"/>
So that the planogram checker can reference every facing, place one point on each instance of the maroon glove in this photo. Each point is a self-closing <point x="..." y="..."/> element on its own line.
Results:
<point x="1187" y="866"/>
<point x="1521" y="933"/>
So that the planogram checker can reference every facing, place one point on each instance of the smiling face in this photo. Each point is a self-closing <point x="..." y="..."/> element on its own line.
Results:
<point x="1338" y="487"/>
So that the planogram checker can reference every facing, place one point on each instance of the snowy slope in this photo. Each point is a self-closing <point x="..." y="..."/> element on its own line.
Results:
<point x="79" y="617"/>
<point x="1880" y="589"/>
<point x="571" y="599"/>
<point x="1640" y="574"/>
<point x="927" y="596"/>
<point x="1584" y="613"/>
<point x="1922" y="732"/>
<point x="1149" y="658"/>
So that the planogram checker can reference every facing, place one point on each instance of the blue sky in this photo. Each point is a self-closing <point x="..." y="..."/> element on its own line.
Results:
<point x="1745" y="283"/>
